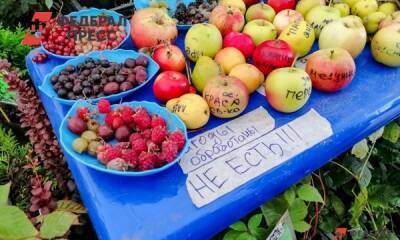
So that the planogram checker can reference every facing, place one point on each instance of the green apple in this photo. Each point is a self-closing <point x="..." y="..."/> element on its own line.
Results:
<point x="387" y="8"/>
<point x="260" y="30"/>
<point x="320" y="16"/>
<point x="260" y="11"/>
<point x="234" y="3"/>
<point x="343" y="8"/>
<point x="371" y="22"/>
<point x="300" y="36"/>
<point x="303" y="6"/>
<point x="288" y="89"/>
<point x="205" y="69"/>
<point x="202" y="39"/>
<point x="385" y="46"/>
<point x="350" y="2"/>
<point x="363" y="8"/>
<point x="347" y="33"/>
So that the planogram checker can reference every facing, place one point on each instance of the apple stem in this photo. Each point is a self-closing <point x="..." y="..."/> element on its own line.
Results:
<point x="330" y="3"/>
<point x="294" y="61"/>
<point x="332" y="52"/>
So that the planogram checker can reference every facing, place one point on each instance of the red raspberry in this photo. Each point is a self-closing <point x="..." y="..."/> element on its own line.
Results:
<point x="142" y="119"/>
<point x="146" y="161"/>
<point x="82" y="113"/>
<point x="131" y="157"/>
<point x="117" y="122"/>
<point x="146" y="134"/>
<point x="157" y="121"/>
<point x="127" y="114"/>
<point x="110" y="118"/>
<point x="103" y="148"/>
<point x="122" y="145"/>
<point x="111" y="154"/>
<point x="169" y="150"/>
<point x="104" y="106"/>
<point x="178" y="137"/>
<point x="158" y="134"/>
<point x="152" y="147"/>
<point x="134" y="136"/>
<point x="139" y="145"/>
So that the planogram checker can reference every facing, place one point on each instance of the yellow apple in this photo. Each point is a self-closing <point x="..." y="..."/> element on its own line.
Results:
<point x="303" y="6"/>
<point x="385" y="46"/>
<point x="300" y="36"/>
<point x="204" y="70"/>
<point x="249" y="75"/>
<point x="347" y="33"/>
<point x="234" y="3"/>
<point x="260" y="11"/>
<point x="191" y="108"/>
<point x="387" y="8"/>
<point x="343" y="8"/>
<point x="260" y="30"/>
<point x="350" y="2"/>
<point x="371" y="22"/>
<point x="363" y="8"/>
<point x="229" y="57"/>
<point x="288" y="89"/>
<point x="320" y="16"/>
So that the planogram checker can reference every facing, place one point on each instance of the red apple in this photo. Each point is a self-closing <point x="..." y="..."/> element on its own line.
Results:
<point x="241" y="41"/>
<point x="152" y="26"/>
<point x="279" y="5"/>
<point x="273" y="54"/>
<point x="169" y="85"/>
<point x="250" y="2"/>
<point x="170" y="58"/>
<point x="331" y="69"/>
<point x="227" y="19"/>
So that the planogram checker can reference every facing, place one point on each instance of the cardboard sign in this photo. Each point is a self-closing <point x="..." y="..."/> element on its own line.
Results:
<point x="283" y="229"/>
<point x="216" y="167"/>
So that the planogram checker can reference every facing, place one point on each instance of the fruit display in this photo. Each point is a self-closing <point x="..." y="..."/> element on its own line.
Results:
<point x="72" y="38"/>
<point x="195" y="12"/>
<point x="227" y="19"/>
<point x="125" y="138"/>
<point x="94" y="78"/>
<point x="285" y="18"/>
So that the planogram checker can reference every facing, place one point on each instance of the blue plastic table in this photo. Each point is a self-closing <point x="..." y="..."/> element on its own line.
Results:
<point x="159" y="207"/>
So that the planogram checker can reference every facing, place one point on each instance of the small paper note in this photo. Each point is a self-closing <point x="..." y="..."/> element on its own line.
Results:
<point x="212" y="174"/>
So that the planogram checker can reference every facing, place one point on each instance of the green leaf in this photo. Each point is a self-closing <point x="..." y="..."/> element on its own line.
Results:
<point x="358" y="207"/>
<point x="246" y="236"/>
<point x="290" y="195"/>
<point x="70" y="206"/>
<point x="301" y="226"/>
<point x="365" y="177"/>
<point x="56" y="224"/>
<point x="231" y="235"/>
<point x="239" y="226"/>
<point x="376" y="135"/>
<point x="14" y="224"/>
<point x="360" y="150"/>
<point x="328" y="223"/>
<point x="309" y="193"/>
<point x="49" y="3"/>
<point x="392" y="132"/>
<point x="4" y="192"/>
<point x="274" y="209"/>
<point x="337" y="205"/>
<point x="298" y="210"/>
<point x="254" y="222"/>
<point x="260" y="233"/>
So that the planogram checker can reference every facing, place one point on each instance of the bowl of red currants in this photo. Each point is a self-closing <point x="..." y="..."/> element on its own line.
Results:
<point x="79" y="33"/>
<point x="128" y="139"/>
<point x="108" y="74"/>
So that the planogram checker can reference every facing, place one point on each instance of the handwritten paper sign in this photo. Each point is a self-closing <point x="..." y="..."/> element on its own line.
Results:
<point x="214" y="172"/>
<point x="300" y="63"/>
<point x="283" y="230"/>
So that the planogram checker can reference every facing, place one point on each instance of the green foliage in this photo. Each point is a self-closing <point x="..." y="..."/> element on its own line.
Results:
<point x="19" y="11"/>
<point x="14" y="224"/>
<point x="11" y="48"/>
<point x="251" y="231"/>
<point x="4" y="192"/>
<point x="5" y="95"/>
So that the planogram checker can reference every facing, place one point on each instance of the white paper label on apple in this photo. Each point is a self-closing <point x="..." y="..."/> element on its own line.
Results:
<point x="216" y="142"/>
<point x="219" y="176"/>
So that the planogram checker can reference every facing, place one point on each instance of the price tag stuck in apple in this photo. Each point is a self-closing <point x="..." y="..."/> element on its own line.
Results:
<point x="216" y="167"/>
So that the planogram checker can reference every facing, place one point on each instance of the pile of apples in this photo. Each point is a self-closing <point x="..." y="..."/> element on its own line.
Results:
<point x="247" y="44"/>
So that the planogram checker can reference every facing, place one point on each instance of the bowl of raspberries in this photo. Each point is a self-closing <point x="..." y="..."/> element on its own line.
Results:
<point x="129" y="139"/>
<point x="109" y="74"/>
